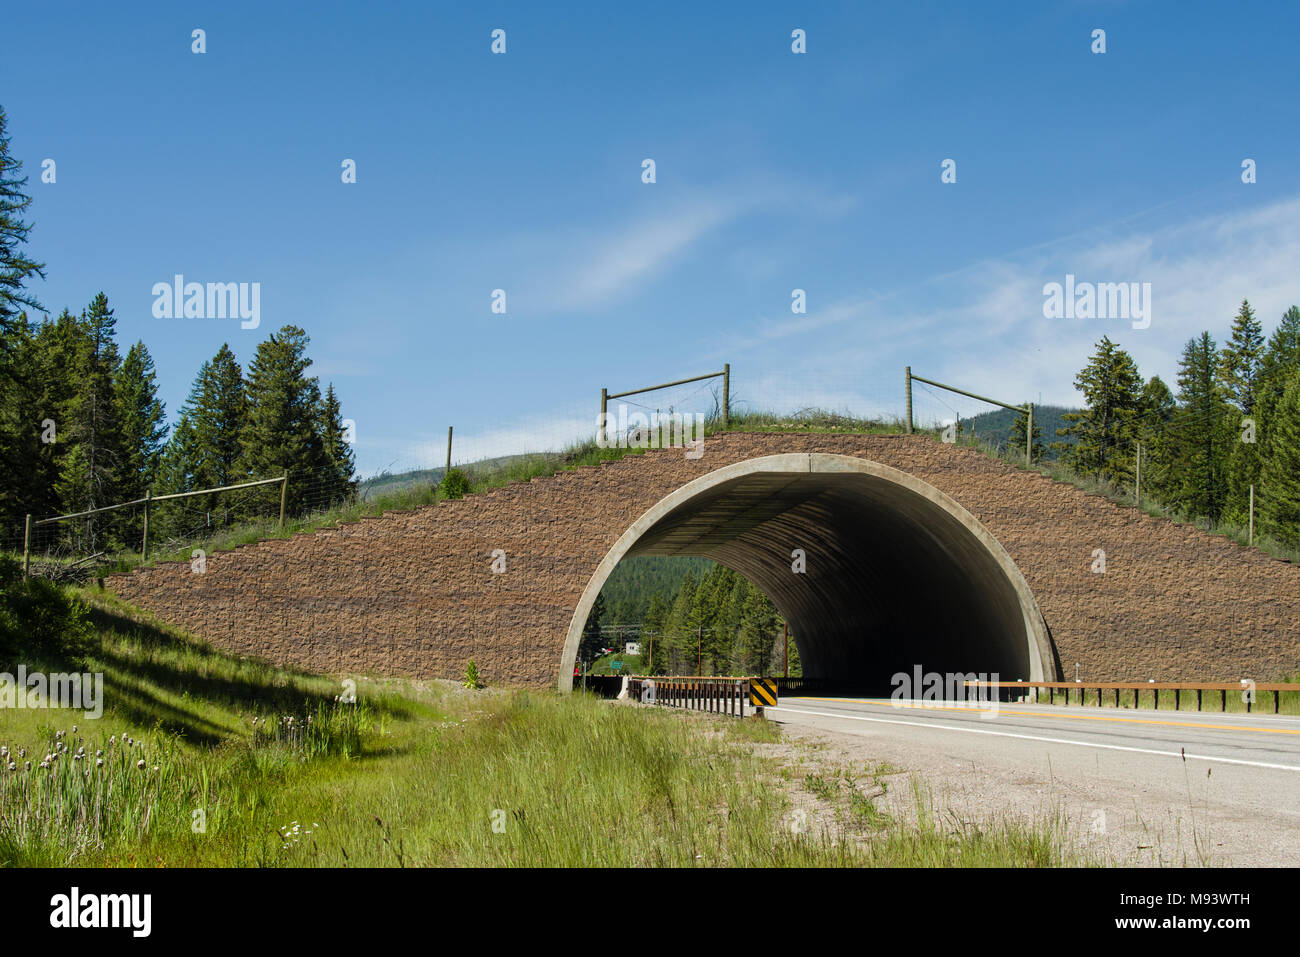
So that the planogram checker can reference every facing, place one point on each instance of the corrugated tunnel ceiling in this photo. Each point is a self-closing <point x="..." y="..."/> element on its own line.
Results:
<point x="898" y="575"/>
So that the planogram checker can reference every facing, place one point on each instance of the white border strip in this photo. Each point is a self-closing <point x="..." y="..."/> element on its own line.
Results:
<point x="1034" y="737"/>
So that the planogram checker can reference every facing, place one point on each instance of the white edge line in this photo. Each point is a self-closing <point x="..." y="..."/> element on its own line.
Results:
<point x="1034" y="737"/>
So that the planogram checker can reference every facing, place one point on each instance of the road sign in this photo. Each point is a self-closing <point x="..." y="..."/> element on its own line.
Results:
<point x="762" y="692"/>
<point x="616" y="665"/>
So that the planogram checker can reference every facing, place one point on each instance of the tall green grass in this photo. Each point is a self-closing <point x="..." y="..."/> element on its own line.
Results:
<point x="206" y="759"/>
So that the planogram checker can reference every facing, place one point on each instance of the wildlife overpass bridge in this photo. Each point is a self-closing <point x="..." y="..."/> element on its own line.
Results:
<point x="883" y="552"/>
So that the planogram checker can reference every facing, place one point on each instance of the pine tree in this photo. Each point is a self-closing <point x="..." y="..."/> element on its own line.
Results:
<point x="177" y="517"/>
<point x="1105" y="431"/>
<point x="1240" y="364"/>
<point x="142" y="421"/>
<point x="207" y="449"/>
<point x="679" y="634"/>
<point x="1201" y="431"/>
<point x="1241" y="359"/>
<point x="592" y="642"/>
<point x="94" y="464"/>
<point x="15" y="267"/>
<point x="1281" y="358"/>
<point x="283" y="414"/>
<point x="759" y="628"/>
<point x="1280" y="478"/>
<point x="1156" y="410"/>
<point x="1016" y="441"/>
<point x="652" y="634"/>
<point x="30" y="407"/>
<point x="338" y="481"/>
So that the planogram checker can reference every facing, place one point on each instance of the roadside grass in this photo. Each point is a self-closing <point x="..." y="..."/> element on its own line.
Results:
<point x="210" y="759"/>
<point x="753" y="729"/>
<point x="929" y="838"/>
<point x="604" y="665"/>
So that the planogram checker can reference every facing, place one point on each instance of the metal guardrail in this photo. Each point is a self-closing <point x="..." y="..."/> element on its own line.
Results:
<point x="1247" y="688"/>
<point x="716" y="695"/>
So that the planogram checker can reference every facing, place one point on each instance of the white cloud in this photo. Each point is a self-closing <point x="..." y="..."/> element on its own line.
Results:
<point x="982" y="326"/>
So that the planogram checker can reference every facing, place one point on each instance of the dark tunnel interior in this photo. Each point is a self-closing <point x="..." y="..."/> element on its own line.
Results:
<point x="894" y="579"/>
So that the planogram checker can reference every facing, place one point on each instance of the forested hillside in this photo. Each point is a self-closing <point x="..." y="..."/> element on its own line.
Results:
<point x="82" y="426"/>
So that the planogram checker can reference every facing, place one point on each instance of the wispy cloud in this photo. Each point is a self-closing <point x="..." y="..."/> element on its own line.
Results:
<point x="637" y="252"/>
<point x="984" y="324"/>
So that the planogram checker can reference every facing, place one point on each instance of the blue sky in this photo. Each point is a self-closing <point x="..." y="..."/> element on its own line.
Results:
<point x="775" y="171"/>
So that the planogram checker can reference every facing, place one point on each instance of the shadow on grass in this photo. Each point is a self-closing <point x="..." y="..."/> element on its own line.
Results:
<point x="211" y="679"/>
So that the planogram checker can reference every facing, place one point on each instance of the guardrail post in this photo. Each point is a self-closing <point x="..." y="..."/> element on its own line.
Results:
<point x="27" y="541"/>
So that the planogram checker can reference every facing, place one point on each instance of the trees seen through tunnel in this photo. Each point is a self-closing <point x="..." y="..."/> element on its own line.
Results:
<point x="711" y="620"/>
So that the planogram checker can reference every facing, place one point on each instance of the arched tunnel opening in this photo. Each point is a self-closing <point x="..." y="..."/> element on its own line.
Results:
<point x="878" y="573"/>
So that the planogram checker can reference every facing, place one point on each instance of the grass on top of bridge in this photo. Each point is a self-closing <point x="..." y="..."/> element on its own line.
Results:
<point x="484" y="476"/>
<point x="497" y="472"/>
<point x="213" y="760"/>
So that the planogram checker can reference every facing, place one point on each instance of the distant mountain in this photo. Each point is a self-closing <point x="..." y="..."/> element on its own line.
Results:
<point x="994" y="428"/>
<point x="386" y="482"/>
<point x="633" y="581"/>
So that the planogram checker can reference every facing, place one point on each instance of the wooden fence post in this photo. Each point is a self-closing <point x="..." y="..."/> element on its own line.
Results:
<point x="1137" y="477"/>
<point x="284" y="494"/>
<point x="907" y="373"/>
<point x="1029" y="434"/>
<point x="144" y="543"/>
<point x="726" y="394"/>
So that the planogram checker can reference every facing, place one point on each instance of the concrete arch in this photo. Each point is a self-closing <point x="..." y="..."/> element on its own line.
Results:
<point x="898" y="573"/>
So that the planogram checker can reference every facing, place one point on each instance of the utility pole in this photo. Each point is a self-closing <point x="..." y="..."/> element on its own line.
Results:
<point x="785" y="668"/>
<point x="699" y="652"/>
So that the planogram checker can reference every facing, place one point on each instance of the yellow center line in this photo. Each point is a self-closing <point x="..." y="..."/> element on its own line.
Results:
<point x="1054" y="714"/>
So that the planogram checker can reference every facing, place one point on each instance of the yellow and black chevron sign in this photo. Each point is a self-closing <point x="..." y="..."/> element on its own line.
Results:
<point x="762" y="692"/>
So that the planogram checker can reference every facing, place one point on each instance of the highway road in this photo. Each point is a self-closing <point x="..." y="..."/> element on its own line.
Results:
<point x="1151" y="786"/>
